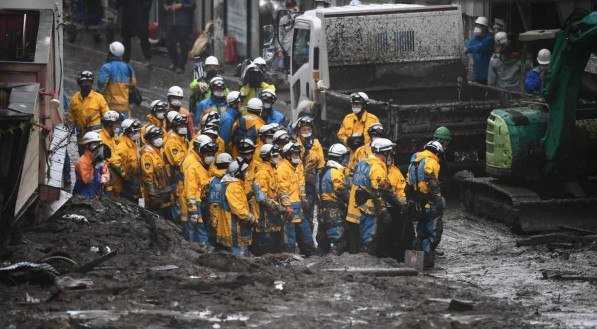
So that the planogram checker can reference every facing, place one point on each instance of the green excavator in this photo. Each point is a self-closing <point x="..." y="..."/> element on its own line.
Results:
<point x="542" y="159"/>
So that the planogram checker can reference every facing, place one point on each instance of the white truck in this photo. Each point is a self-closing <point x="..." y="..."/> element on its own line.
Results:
<point x="409" y="59"/>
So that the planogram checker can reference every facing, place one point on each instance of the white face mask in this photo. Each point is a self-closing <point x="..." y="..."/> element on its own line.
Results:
<point x="158" y="142"/>
<point x="269" y="140"/>
<point x="176" y="102"/>
<point x="182" y="130"/>
<point x="208" y="160"/>
<point x="160" y="115"/>
<point x="218" y="93"/>
<point x="135" y="137"/>
<point x="477" y="30"/>
<point x="296" y="159"/>
<point x="267" y="105"/>
<point x="357" y="109"/>
<point x="275" y="160"/>
<point x="306" y="135"/>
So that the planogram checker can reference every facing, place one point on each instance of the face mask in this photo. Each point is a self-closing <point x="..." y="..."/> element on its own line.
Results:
<point x="135" y="137"/>
<point x="208" y="160"/>
<point x="247" y="157"/>
<point x="357" y="109"/>
<point x="218" y="93"/>
<point x="477" y="30"/>
<point x="269" y="140"/>
<point x="267" y="105"/>
<point x="176" y="103"/>
<point x="117" y="131"/>
<point x="306" y="135"/>
<point x="85" y="90"/>
<point x="210" y="74"/>
<point x="296" y="161"/>
<point x="274" y="160"/>
<point x="182" y="130"/>
<point x="160" y="115"/>
<point x="158" y="142"/>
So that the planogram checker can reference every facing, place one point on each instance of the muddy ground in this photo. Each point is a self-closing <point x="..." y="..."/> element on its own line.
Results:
<point x="131" y="290"/>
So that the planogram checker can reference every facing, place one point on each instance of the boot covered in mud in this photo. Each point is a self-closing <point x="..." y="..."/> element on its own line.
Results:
<point x="429" y="261"/>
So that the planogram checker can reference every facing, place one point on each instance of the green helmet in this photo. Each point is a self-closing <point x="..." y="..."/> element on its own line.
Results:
<point x="442" y="133"/>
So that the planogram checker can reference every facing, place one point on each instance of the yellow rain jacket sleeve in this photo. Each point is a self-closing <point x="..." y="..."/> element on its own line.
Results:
<point x="397" y="182"/>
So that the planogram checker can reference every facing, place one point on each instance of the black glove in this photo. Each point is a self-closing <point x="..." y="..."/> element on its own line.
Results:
<point x="361" y="196"/>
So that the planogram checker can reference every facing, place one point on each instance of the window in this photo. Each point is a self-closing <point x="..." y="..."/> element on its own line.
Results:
<point x="300" y="48"/>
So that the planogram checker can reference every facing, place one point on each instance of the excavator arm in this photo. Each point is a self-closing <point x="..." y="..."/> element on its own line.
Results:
<point x="571" y="52"/>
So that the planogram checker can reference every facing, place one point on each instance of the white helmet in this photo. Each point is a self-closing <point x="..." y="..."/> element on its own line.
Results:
<point x="337" y="150"/>
<point x="382" y="145"/>
<point x="434" y="146"/>
<point x="171" y="115"/>
<point x="237" y="166"/>
<point x="201" y="140"/>
<point x="265" y="128"/>
<point x="209" y="130"/>
<point x="175" y="91"/>
<point x="280" y="135"/>
<point x="482" y="21"/>
<point x="259" y="61"/>
<point x="223" y="158"/>
<point x="154" y="103"/>
<point x="501" y="38"/>
<point x="111" y="116"/>
<point x="116" y="49"/>
<point x="233" y="96"/>
<point x="544" y="57"/>
<point x="91" y="137"/>
<point x="359" y="97"/>
<point x="211" y="60"/>
<point x="255" y="104"/>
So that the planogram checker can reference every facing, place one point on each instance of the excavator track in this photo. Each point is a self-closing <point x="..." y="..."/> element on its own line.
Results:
<point x="522" y="209"/>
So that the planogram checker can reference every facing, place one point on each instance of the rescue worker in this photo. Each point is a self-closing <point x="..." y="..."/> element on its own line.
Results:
<point x="322" y="4"/>
<point x="480" y="45"/>
<point x="86" y="108"/>
<point x="504" y="65"/>
<point x="125" y="162"/>
<point x="266" y="133"/>
<point x="212" y="132"/>
<point x="176" y="147"/>
<point x="195" y="169"/>
<point x="211" y="119"/>
<point x="110" y="125"/>
<point x="291" y="181"/>
<point x="91" y="171"/>
<point x="375" y="131"/>
<point x="536" y="78"/>
<point x="353" y="131"/>
<point x="248" y="125"/>
<point x="253" y="83"/>
<point x="115" y="80"/>
<point x="332" y="200"/>
<point x="424" y="190"/>
<point x="312" y="160"/>
<point x="157" y="191"/>
<point x="268" y="236"/>
<point x="270" y="114"/>
<point x="366" y="206"/>
<point x="235" y="226"/>
<point x="231" y="116"/>
<point x="175" y="96"/>
<point x="156" y="117"/>
<point x="200" y="85"/>
<point x="397" y="235"/>
<point x="280" y="139"/>
<point x="215" y="103"/>
<point x="211" y="197"/>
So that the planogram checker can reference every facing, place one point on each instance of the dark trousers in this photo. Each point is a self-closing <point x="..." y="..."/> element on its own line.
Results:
<point x="178" y="35"/>
<point x="145" y="48"/>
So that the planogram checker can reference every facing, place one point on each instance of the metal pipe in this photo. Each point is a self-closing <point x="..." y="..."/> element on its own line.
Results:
<point x="24" y="32"/>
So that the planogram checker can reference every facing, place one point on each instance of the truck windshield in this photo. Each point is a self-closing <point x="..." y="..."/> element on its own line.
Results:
<point x="300" y="48"/>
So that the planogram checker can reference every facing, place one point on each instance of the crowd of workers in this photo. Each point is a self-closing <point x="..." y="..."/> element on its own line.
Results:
<point x="236" y="176"/>
<point x="497" y="64"/>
